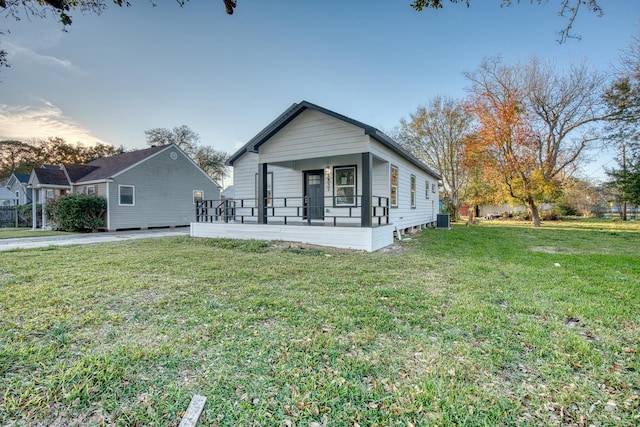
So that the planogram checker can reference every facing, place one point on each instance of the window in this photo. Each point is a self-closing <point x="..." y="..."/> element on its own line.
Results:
<point x="198" y="196"/>
<point x="91" y="189"/>
<point x="126" y="195"/>
<point x="17" y="198"/>
<point x="426" y="189"/>
<point x="433" y="188"/>
<point x="413" y="191"/>
<point x="344" y="179"/>
<point x="49" y="195"/>
<point x="394" y="186"/>
<point x="269" y="189"/>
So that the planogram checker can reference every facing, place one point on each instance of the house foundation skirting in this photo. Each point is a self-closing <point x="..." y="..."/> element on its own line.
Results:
<point x="360" y="238"/>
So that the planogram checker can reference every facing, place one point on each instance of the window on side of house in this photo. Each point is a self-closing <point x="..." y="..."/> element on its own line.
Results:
<point x="91" y="189"/>
<point x="126" y="195"/>
<point x="49" y="195"/>
<point x="413" y="191"/>
<point x="426" y="189"/>
<point x="344" y="185"/>
<point x="198" y="196"/>
<point x="269" y="189"/>
<point x="394" y="187"/>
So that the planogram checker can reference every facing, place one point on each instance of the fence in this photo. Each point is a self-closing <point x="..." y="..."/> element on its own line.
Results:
<point x="10" y="217"/>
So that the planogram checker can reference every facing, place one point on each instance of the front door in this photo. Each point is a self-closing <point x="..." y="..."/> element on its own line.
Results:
<point x="313" y="195"/>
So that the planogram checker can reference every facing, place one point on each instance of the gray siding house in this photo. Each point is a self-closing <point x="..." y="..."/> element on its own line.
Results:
<point x="17" y="184"/>
<point x="316" y="176"/>
<point x="151" y="188"/>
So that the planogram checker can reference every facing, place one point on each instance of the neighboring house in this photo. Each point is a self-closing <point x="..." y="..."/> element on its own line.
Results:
<point x="17" y="184"/>
<point x="7" y="198"/>
<point x="312" y="166"/>
<point x="150" y="188"/>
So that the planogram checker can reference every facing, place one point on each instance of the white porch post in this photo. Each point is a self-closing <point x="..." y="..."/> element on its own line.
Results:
<point x="42" y="203"/>
<point x="34" y="212"/>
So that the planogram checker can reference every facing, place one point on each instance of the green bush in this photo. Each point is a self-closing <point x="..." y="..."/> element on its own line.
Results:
<point x="77" y="212"/>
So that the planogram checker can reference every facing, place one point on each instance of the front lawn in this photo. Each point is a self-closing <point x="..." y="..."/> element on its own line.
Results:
<point x="495" y="324"/>
<point x="15" y="233"/>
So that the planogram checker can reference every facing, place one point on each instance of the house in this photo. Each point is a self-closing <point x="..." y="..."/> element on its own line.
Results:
<point x="149" y="188"/>
<point x="7" y="198"/>
<point x="318" y="177"/>
<point x="17" y="184"/>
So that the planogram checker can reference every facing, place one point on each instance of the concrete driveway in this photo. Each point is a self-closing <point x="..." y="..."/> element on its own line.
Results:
<point x="85" y="239"/>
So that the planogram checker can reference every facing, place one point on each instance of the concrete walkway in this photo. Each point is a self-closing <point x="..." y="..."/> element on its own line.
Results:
<point x="84" y="239"/>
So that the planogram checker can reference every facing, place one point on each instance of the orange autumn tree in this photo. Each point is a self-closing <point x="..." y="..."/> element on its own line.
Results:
<point x="484" y="182"/>
<point x="533" y="125"/>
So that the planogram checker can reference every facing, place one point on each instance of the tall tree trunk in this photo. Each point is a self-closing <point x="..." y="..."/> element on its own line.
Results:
<point x="533" y="211"/>
<point x="623" y="211"/>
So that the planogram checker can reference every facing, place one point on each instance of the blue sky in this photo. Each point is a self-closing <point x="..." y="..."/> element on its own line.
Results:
<point x="111" y="77"/>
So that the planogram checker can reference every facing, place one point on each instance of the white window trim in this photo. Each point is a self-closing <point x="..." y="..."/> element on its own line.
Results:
<point x="194" y="195"/>
<point x="413" y="183"/>
<point x="426" y="192"/>
<point x="391" y="186"/>
<point x="337" y="186"/>
<point x="120" y="195"/>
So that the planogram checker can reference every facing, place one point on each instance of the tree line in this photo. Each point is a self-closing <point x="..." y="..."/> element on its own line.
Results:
<point x="525" y="129"/>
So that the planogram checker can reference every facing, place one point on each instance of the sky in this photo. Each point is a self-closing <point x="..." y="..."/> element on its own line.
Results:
<point x="109" y="78"/>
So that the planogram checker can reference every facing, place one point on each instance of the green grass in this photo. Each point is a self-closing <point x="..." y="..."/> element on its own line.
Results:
<point x="13" y="233"/>
<point x="496" y="324"/>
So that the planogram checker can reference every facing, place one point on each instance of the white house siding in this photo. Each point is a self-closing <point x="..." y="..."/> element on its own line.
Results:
<point x="404" y="216"/>
<point x="312" y="135"/>
<point x="163" y="194"/>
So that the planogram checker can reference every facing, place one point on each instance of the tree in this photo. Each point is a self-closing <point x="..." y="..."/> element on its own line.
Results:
<point x="210" y="160"/>
<point x="435" y="134"/>
<point x="623" y="102"/>
<point x="569" y="10"/>
<point x="578" y="197"/>
<point x="534" y="124"/>
<point x="182" y="136"/>
<point x="56" y="150"/>
<point x="15" y="156"/>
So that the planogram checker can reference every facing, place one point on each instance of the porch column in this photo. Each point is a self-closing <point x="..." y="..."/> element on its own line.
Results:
<point x="262" y="193"/>
<point x="34" y="213"/>
<point x="367" y="184"/>
<point x="43" y="199"/>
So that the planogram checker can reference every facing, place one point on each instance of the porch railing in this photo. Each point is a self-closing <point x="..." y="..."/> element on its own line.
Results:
<point x="330" y="210"/>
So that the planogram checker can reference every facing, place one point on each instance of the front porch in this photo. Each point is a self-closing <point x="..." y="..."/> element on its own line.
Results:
<point x="319" y="221"/>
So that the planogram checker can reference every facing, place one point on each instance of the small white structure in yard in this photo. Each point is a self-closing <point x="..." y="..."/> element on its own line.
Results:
<point x="318" y="177"/>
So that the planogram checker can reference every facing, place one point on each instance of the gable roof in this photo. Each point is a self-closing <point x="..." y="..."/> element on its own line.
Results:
<point x="107" y="167"/>
<point x="51" y="177"/>
<point x="6" y="194"/>
<point x="75" y="172"/>
<point x="295" y="110"/>
<point x="23" y="178"/>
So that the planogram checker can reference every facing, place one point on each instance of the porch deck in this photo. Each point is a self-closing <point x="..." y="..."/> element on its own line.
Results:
<point x="328" y="221"/>
<point x="347" y="237"/>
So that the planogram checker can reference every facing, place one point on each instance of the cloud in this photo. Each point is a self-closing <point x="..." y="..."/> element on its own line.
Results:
<point x="44" y="121"/>
<point x="17" y="53"/>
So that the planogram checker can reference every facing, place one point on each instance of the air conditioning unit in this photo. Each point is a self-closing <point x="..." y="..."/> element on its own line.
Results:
<point x="443" y="221"/>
